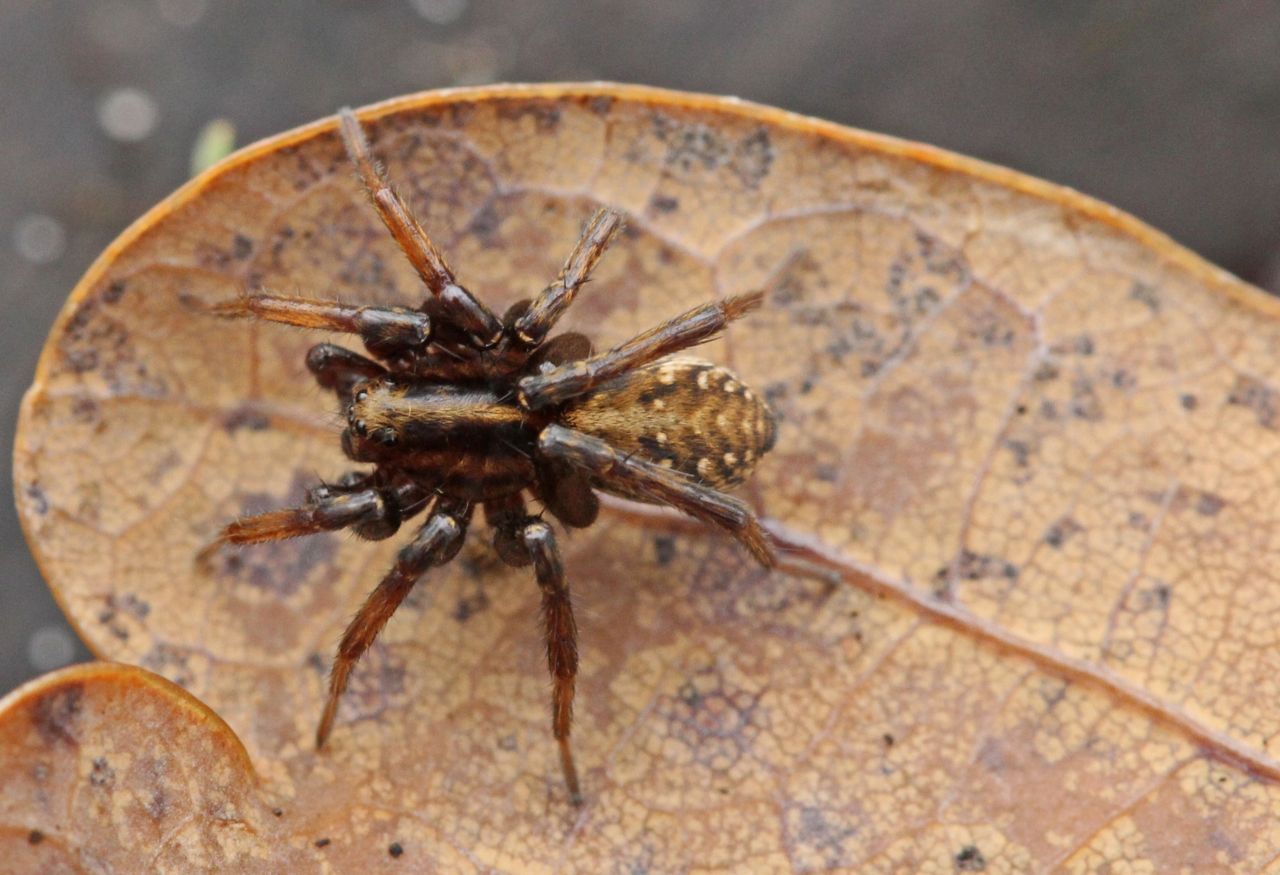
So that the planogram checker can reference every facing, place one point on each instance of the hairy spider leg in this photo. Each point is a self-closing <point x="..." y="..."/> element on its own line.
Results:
<point x="372" y="513"/>
<point x="533" y="326"/>
<point x="519" y="540"/>
<point x="690" y="328"/>
<point x="561" y="638"/>
<point x="387" y="332"/>
<point x="635" y="477"/>
<point x="463" y="309"/>
<point x="437" y="541"/>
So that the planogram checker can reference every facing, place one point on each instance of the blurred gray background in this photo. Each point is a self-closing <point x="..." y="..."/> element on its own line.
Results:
<point x="1170" y="110"/>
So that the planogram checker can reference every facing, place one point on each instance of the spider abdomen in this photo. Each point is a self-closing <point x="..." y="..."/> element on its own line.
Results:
<point x="690" y="415"/>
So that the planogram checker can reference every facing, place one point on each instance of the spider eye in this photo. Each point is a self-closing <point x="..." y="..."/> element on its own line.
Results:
<point x="359" y="427"/>
<point x="361" y="395"/>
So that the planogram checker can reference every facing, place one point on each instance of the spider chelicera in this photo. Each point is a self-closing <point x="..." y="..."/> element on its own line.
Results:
<point x="457" y="407"/>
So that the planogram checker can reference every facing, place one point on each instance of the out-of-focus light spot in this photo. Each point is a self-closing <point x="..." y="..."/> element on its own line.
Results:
<point x="182" y="13"/>
<point x="127" y="114"/>
<point x="215" y="141"/>
<point x="440" y="11"/>
<point x="39" y="239"/>
<point x="50" y="647"/>
<point x="475" y="61"/>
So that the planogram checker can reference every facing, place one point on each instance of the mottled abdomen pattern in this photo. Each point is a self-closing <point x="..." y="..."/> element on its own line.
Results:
<point x="687" y="414"/>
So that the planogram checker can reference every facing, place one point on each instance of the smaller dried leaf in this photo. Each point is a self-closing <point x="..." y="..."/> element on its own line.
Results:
<point x="109" y="767"/>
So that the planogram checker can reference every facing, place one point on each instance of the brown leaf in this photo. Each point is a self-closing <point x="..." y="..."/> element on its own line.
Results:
<point x="1031" y="438"/>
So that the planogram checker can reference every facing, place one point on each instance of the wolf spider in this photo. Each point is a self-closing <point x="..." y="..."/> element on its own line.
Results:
<point x="459" y="407"/>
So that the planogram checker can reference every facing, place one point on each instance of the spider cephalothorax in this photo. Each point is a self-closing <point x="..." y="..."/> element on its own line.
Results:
<point x="459" y="408"/>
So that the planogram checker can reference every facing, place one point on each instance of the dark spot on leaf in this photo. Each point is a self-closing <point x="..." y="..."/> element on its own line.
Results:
<point x="690" y="147"/>
<point x="241" y="247"/>
<point x="84" y="410"/>
<point x="58" y="713"/>
<point x="1046" y="372"/>
<point x="1053" y="692"/>
<point x="82" y="361"/>
<point x="991" y="330"/>
<point x="245" y="416"/>
<point x="1084" y="401"/>
<point x="395" y="850"/>
<point x="39" y="502"/>
<point x="663" y="204"/>
<point x="752" y="158"/>
<point x="841" y="347"/>
<point x="102" y="774"/>
<point x="806" y="386"/>
<point x="1122" y="379"/>
<point x="173" y="663"/>
<point x="888" y="739"/>
<point x="460" y="113"/>
<point x="507" y="742"/>
<point x="826" y="473"/>
<point x="1154" y="598"/>
<point x="114" y="292"/>
<point x="485" y="224"/>
<point x="158" y="807"/>
<point x="35" y="837"/>
<point x="600" y="104"/>
<point x="468" y="606"/>
<point x="822" y="835"/>
<point x="1188" y="401"/>
<point x="715" y="720"/>
<point x="1146" y="294"/>
<point x="1084" y="345"/>
<point x="665" y="548"/>
<point x="1209" y="504"/>
<point x="322" y="843"/>
<point x="1060" y="531"/>
<point x="1021" y="451"/>
<point x="1256" y="396"/>
<point x="278" y="812"/>
<point x="970" y="859"/>
<point x="977" y="566"/>
<point x="162" y="465"/>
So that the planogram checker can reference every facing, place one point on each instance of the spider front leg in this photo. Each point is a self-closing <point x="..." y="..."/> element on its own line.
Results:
<point x="460" y="307"/>
<point x="688" y="329"/>
<point x="436" y="543"/>
<point x="520" y="539"/>
<point x="634" y="477"/>
<point x="387" y="332"/>
<point x="536" y="323"/>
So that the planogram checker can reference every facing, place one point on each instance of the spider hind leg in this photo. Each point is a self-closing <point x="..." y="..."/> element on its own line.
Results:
<point x="634" y="477"/>
<point x="522" y="540"/>
<point x="437" y="542"/>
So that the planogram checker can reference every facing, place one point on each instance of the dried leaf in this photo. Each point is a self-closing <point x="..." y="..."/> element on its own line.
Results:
<point x="1031" y="438"/>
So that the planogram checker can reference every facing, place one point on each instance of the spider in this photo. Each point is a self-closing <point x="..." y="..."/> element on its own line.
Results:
<point x="456" y="407"/>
